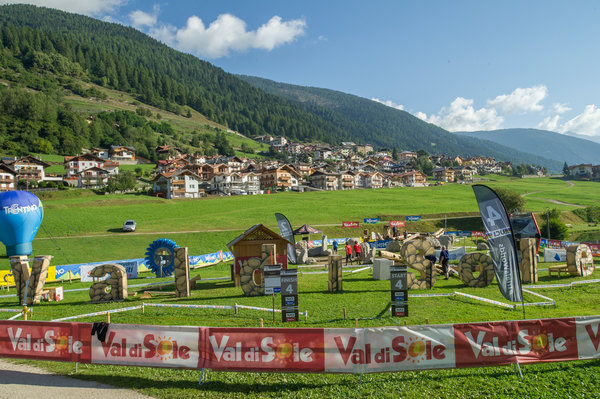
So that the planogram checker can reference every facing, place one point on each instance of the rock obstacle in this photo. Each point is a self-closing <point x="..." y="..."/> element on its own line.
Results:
<point x="112" y="289"/>
<point x="476" y="262"/>
<point x="579" y="260"/>
<point x="414" y="254"/>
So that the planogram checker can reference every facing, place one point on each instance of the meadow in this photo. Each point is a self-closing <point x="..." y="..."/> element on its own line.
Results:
<point x="82" y="226"/>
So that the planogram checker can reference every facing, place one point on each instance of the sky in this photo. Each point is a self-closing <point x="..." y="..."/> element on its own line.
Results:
<point x="462" y="65"/>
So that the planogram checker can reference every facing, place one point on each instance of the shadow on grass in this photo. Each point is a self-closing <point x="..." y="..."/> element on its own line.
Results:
<point x="140" y="383"/>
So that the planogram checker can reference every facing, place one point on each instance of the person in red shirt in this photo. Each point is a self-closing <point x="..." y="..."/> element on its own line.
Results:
<point x="348" y="253"/>
<point x="357" y="250"/>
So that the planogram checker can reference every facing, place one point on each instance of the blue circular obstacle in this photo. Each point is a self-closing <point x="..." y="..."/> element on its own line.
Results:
<point x="161" y="254"/>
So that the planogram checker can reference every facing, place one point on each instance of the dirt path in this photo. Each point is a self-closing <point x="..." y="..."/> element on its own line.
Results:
<point x="557" y="202"/>
<point x="23" y="381"/>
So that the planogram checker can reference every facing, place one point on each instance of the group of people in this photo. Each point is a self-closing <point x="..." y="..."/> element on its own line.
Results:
<point x="356" y="249"/>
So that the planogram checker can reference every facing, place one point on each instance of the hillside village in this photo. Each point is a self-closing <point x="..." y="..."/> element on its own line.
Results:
<point x="295" y="166"/>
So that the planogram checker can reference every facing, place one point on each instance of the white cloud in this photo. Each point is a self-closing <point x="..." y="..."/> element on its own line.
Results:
<point x="87" y="7"/>
<point x="228" y="33"/>
<point x="462" y="116"/>
<point x="520" y="100"/>
<point x="560" y="108"/>
<point x="586" y="123"/>
<point x="140" y="18"/>
<point x="389" y="103"/>
<point x="549" y="123"/>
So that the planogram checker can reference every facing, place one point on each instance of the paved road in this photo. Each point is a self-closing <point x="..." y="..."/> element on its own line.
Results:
<point x="21" y="381"/>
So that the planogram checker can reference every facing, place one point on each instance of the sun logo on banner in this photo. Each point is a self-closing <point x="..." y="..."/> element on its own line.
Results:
<point x="416" y="349"/>
<point x="539" y="342"/>
<point x="61" y="344"/>
<point x="164" y="348"/>
<point x="283" y="351"/>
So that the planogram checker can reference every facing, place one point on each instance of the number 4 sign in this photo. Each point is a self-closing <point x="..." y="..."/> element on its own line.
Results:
<point x="289" y="295"/>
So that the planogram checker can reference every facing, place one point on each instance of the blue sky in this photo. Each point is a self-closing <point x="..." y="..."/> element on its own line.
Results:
<point x="463" y="65"/>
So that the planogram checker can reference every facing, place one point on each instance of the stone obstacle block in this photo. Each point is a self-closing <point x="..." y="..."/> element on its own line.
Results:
<point x="529" y="264"/>
<point x="393" y="246"/>
<point x="483" y="246"/>
<point x="20" y="269"/>
<point x="414" y="253"/>
<point x="473" y="262"/>
<point x="334" y="267"/>
<point x="181" y="272"/>
<point x="30" y="284"/>
<point x="117" y="282"/>
<point x="579" y="260"/>
<point x="381" y="268"/>
<point x="251" y="274"/>
<point x="39" y="273"/>
<point x="447" y="241"/>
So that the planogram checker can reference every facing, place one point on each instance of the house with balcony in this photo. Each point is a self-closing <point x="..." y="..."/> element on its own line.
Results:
<point x="29" y="168"/>
<point x="415" y="178"/>
<point x="581" y="171"/>
<point x="236" y="183"/>
<point x="280" y="178"/>
<point x="323" y="180"/>
<point x="446" y="175"/>
<point x="92" y="178"/>
<point x="8" y="178"/>
<point x="182" y="183"/>
<point x="122" y="153"/>
<point x="464" y="173"/>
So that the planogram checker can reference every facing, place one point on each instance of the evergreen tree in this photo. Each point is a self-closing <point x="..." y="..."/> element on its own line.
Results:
<point x="566" y="170"/>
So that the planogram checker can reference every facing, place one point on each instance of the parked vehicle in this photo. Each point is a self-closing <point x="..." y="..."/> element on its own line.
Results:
<point x="129" y="225"/>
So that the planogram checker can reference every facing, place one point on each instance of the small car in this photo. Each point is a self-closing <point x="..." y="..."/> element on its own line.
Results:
<point x="129" y="225"/>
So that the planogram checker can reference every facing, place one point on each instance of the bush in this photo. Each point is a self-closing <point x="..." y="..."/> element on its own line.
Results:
<point x="511" y="200"/>
<point x="558" y="230"/>
<point x="590" y="214"/>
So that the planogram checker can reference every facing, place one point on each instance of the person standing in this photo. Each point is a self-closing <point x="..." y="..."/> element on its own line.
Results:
<point x="444" y="257"/>
<point x="348" y="253"/>
<point x="357" y="250"/>
<point x="335" y="247"/>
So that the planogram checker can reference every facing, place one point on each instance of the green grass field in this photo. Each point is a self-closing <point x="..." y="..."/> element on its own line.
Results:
<point x="80" y="226"/>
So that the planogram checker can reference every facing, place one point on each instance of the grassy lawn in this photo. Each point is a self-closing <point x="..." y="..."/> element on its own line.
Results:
<point x="80" y="226"/>
<point x="363" y="298"/>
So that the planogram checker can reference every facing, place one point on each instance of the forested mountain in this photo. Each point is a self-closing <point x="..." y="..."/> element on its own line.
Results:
<point x="384" y="126"/>
<point x="548" y="144"/>
<point x="51" y="52"/>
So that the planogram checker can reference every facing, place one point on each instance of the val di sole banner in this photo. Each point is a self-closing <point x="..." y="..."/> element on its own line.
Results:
<point x="306" y="350"/>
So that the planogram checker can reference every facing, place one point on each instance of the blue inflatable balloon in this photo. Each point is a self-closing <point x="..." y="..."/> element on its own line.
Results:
<point x="21" y="215"/>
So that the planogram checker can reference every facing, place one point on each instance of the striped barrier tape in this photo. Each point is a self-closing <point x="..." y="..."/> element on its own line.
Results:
<point x="104" y="312"/>
<point x="539" y="295"/>
<point x="478" y="298"/>
<point x="172" y="305"/>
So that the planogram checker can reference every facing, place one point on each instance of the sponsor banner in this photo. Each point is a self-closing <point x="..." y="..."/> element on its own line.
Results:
<point x="350" y="224"/>
<point x="265" y="349"/>
<point x="371" y="220"/>
<point x="555" y="255"/>
<point x="286" y="231"/>
<point x="396" y="223"/>
<point x="414" y="218"/>
<point x="130" y="267"/>
<point x="588" y="337"/>
<point x="227" y="256"/>
<point x="371" y="350"/>
<point x="67" y="342"/>
<point x="478" y="234"/>
<point x="464" y="233"/>
<point x="453" y="254"/>
<point x="142" y="345"/>
<point x="380" y="244"/>
<point x="207" y="259"/>
<point x="6" y="276"/>
<point x="527" y="341"/>
<point x="501" y="242"/>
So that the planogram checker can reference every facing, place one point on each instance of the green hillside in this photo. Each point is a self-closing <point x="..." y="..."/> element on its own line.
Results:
<point x="367" y="120"/>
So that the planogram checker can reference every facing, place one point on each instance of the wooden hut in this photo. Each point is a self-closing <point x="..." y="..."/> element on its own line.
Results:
<point x="250" y="245"/>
